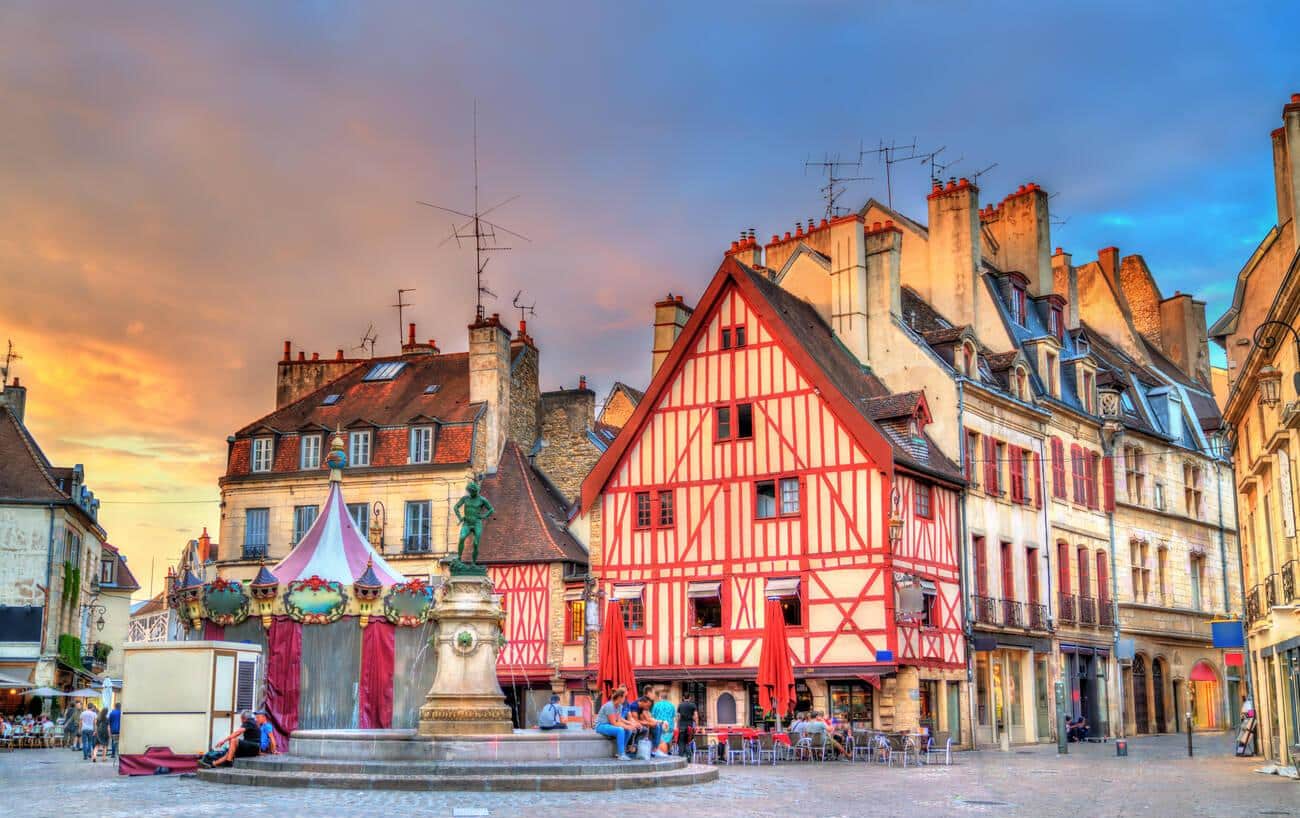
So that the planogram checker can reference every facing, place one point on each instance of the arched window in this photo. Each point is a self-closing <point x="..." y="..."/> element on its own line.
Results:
<point x="726" y="709"/>
<point x="1020" y="388"/>
<point x="969" y="362"/>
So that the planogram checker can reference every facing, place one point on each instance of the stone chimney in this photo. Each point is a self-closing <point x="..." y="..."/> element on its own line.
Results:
<point x="671" y="316"/>
<point x="525" y="362"/>
<point x="884" y="244"/>
<point x="566" y="454"/>
<point x="1020" y="229"/>
<point x="1108" y="261"/>
<point x="14" y="395"/>
<point x="489" y="384"/>
<point x="1065" y="283"/>
<point x="1183" y="335"/>
<point x="297" y="377"/>
<point x="747" y="250"/>
<point x="1143" y="296"/>
<point x="1286" y="168"/>
<point x="849" y="291"/>
<point x="954" y="250"/>
<point x="413" y="347"/>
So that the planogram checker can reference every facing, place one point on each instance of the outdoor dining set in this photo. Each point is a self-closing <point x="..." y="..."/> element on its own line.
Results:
<point x="750" y="746"/>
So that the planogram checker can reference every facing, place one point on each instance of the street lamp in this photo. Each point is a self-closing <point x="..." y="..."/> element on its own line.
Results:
<point x="896" y="523"/>
<point x="1270" y="385"/>
<point x="1271" y="333"/>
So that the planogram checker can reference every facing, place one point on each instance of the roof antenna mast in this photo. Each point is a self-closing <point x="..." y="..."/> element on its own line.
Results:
<point x="401" y="327"/>
<point x="834" y="187"/>
<point x="525" y="310"/>
<point x="482" y="231"/>
<point x="368" y="340"/>
<point x="10" y="356"/>
<point x="889" y="155"/>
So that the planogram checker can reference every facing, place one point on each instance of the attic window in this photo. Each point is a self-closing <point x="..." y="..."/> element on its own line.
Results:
<point x="1018" y="304"/>
<point x="385" y="371"/>
<point x="1021" y="385"/>
<point x="1056" y="323"/>
<point x="1081" y="343"/>
<point x="331" y="399"/>
<point x="432" y="388"/>
<point x="969" y="361"/>
<point x="914" y="429"/>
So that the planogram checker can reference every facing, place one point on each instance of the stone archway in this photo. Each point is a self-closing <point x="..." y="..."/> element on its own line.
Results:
<point x="1141" y="708"/>
<point x="726" y="709"/>
<point x="1207" y="696"/>
<point x="1159" y="691"/>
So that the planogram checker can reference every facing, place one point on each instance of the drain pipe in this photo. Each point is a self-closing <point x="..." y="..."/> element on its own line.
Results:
<point x="1249" y="662"/>
<point x="1109" y="461"/>
<point x="962" y="572"/>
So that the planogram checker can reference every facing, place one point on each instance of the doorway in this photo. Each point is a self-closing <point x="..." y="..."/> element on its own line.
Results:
<point x="1158" y="693"/>
<point x="1141" y="712"/>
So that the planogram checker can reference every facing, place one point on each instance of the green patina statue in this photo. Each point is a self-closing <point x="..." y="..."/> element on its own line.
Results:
<point x="472" y="511"/>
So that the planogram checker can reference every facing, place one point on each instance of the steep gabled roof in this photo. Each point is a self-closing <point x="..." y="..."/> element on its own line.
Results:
<point x="391" y="402"/>
<point x="25" y="473"/>
<point x="123" y="579"/>
<point x="528" y="525"/>
<point x="845" y="385"/>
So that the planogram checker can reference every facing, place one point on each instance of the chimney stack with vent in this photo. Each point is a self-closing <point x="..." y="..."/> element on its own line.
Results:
<point x="1286" y="169"/>
<point x="1065" y="283"/>
<point x="671" y="316"/>
<point x="954" y="250"/>
<point x="1020" y="229"/>
<point x="296" y="377"/>
<point x="844" y="238"/>
<point x="489" y="384"/>
<point x="413" y="347"/>
<point x="14" y="396"/>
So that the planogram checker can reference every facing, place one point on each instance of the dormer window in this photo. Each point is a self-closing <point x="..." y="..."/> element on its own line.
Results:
<point x="309" y="456"/>
<point x="422" y="444"/>
<point x="969" y="361"/>
<point x="1082" y="345"/>
<point x="1088" y="391"/>
<point x="1056" y="322"/>
<point x="1051" y="365"/>
<point x="914" y="428"/>
<point x="1018" y="304"/>
<point x="261" y="456"/>
<point x="1020" y="383"/>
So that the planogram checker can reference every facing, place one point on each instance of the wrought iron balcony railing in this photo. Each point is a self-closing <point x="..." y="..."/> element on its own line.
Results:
<point x="1037" y="616"/>
<point x="986" y="610"/>
<point x="1013" y="613"/>
<point x="1290" y="572"/>
<point x="1270" y="590"/>
<point x="1087" y="610"/>
<point x="1105" y="612"/>
<point x="254" y="551"/>
<point x="1253" y="612"/>
<point x="1065" y="604"/>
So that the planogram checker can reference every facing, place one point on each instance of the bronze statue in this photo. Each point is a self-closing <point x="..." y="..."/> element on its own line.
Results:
<point x="476" y="510"/>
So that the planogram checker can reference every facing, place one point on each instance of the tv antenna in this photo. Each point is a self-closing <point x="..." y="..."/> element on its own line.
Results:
<point x="891" y="154"/>
<point x="10" y="356"/>
<point x="938" y="169"/>
<point x="975" y="177"/>
<point x="482" y="231"/>
<point x="368" y="340"/>
<point x="834" y="187"/>
<point x="401" y="327"/>
<point x="931" y="158"/>
<point x="525" y="310"/>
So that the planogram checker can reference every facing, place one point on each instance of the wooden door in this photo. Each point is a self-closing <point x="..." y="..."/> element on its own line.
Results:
<point x="1158" y="693"/>
<point x="1140" y="709"/>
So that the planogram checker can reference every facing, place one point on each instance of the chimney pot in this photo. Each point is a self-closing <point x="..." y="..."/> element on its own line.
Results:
<point x="523" y="328"/>
<point x="288" y="350"/>
<point x="1059" y="252"/>
<point x="302" y="356"/>
<point x="1295" y="98"/>
<point x="798" y="228"/>
<point x="496" y="317"/>
<point x="787" y="235"/>
<point x="678" y="299"/>
<point x="963" y="181"/>
<point x="825" y="222"/>
<point x="410" y="333"/>
<point x="582" y="381"/>
<point x="315" y="356"/>
<point x="735" y="246"/>
<point x="775" y="238"/>
<point x="338" y="355"/>
<point x="16" y="383"/>
<point x="935" y="186"/>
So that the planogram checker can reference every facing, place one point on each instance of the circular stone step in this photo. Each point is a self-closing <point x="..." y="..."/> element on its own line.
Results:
<point x="407" y="745"/>
<point x="603" y="766"/>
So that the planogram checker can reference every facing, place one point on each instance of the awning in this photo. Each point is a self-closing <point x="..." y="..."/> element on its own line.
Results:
<point x="13" y="681"/>
<point x="622" y="592"/>
<point x="572" y="594"/>
<point x="1202" y="672"/>
<point x="928" y="587"/>
<point x="784" y="586"/>
<point x="872" y="679"/>
<point x="704" y="590"/>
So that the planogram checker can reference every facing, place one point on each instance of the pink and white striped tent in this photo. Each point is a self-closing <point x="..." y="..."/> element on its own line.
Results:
<point x="333" y="549"/>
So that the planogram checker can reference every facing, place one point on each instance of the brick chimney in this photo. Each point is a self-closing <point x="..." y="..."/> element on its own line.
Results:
<point x="1183" y="335"/>
<point x="747" y="250"/>
<point x="884" y="244"/>
<point x="1065" y="283"/>
<point x="1286" y="168"/>
<point x="14" y="396"/>
<point x="954" y="250"/>
<point x="844" y="237"/>
<point x="489" y="384"/>
<point x="1020" y="229"/>
<point x="295" y="378"/>
<point x="525" y="363"/>
<point x="1108" y="261"/>
<point x="671" y="316"/>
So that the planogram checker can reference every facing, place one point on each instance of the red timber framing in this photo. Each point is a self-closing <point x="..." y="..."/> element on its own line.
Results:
<point x="525" y="595"/>
<point x="741" y="522"/>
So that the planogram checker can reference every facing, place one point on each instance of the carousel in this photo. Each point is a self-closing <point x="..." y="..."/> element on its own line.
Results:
<point x="346" y="636"/>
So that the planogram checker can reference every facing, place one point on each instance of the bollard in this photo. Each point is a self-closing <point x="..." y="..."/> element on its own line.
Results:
<point x="1121" y="748"/>
<point x="1062" y="740"/>
<point x="1188" y="720"/>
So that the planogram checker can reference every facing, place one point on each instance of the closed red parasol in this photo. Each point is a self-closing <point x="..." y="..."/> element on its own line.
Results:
<point x="775" y="670"/>
<point x="615" y="662"/>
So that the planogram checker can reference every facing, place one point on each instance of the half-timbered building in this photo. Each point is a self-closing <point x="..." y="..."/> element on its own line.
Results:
<point x="764" y="461"/>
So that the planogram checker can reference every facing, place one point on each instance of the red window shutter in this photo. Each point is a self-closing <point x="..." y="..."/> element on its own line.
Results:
<point x="1108" y="481"/>
<point x="1058" y="468"/>
<point x="990" y="465"/>
<point x="1017" y="474"/>
<point x="1090" y="477"/>
<point x="1063" y="567"/>
<point x="1038" y="480"/>
<point x="1076" y="472"/>
<point x="981" y="568"/>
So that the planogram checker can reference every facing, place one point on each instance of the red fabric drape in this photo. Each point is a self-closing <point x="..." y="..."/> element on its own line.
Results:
<point x="775" y="670"/>
<point x="375" y="692"/>
<point x="283" y="677"/>
<point x="213" y="632"/>
<point x="615" y="662"/>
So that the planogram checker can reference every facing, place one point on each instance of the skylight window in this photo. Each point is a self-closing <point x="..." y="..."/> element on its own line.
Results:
<point x="432" y="388"/>
<point x="331" y="399"/>
<point x="385" y="371"/>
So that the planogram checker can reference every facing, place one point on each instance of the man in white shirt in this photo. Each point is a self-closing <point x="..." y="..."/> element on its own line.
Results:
<point x="88" y="717"/>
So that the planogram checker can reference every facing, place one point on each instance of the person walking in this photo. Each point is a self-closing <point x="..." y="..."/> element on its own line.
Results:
<point x="115" y="725"/>
<point x="88" y="718"/>
<point x="686" y="724"/>
<point x="102" y="737"/>
<point x="72" y="726"/>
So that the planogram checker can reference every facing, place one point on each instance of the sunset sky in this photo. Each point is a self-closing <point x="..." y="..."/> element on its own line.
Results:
<point x="183" y="186"/>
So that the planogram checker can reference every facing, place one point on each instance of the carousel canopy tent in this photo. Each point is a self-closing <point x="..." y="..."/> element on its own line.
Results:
<point x="333" y="549"/>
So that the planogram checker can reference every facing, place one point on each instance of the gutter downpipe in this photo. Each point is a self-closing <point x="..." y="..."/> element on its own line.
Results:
<point x="1053" y="659"/>
<point x="1241" y="581"/>
<point x="961" y="574"/>
<point x="49" y="577"/>
<point x="1114" y="582"/>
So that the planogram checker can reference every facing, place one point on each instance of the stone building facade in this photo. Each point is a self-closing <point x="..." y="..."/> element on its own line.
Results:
<point x="1262" y="415"/>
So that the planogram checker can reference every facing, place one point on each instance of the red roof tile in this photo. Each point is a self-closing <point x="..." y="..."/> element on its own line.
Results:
<point x="528" y="525"/>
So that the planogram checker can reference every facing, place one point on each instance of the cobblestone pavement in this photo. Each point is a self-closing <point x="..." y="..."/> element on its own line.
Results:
<point x="1157" y="779"/>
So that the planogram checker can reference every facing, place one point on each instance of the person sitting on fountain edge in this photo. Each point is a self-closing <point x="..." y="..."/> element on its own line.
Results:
<point x="610" y="722"/>
<point x="549" y="718"/>
<point x="649" y="724"/>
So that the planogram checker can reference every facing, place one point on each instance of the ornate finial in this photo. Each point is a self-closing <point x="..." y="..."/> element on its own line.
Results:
<point x="337" y="459"/>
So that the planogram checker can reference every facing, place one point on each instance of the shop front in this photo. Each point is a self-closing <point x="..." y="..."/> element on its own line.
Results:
<point x="1011" y="689"/>
<point x="1084" y="671"/>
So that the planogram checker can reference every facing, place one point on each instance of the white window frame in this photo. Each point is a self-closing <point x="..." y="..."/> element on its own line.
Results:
<point x="363" y="526"/>
<point x="421" y="444"/>
<point x="309" y="452"/>
<point x="298" y="513"/>
<point x="262" y="454"/>
<point x="359" y="444"/>
<point x="266" y="531"/>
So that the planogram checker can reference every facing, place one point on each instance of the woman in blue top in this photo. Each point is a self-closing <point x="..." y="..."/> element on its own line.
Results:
<point x="610" y="722"/>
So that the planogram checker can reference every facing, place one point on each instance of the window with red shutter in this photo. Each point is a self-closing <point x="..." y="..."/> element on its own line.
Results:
<point x="1017" y="475"/>
<point x="1103" y="578"/>
<point x="1108" y="481"/>
<point x="1077" y="468"/>
<point x="1084" y="585"/>
<point x="1008" y="573"/>
<point x="990" y="465"/>
<point x="1063" y="567"/>
<point x="981" y="567"/>
<point x="1090" y="477"/>
<point x="1031" y="575"/>
<point x="1058" y="468"/>
<point x="1037" y="465"/>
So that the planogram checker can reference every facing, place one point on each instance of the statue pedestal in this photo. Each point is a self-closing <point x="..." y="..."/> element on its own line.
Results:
<point x="466" y="698"/>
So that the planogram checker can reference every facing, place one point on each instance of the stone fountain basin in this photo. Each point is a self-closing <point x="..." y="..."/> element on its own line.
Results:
<point x="408" y="745"/>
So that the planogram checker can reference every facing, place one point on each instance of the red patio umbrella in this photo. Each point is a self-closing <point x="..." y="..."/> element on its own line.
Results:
<point x="775" y="670"/>
<point x="615" y="662"/>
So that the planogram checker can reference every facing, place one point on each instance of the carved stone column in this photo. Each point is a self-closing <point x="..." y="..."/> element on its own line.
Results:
<point x="466" y="698"/>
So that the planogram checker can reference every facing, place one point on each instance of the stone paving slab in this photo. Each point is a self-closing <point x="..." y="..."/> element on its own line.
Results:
<point x="1156" y="780"/>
